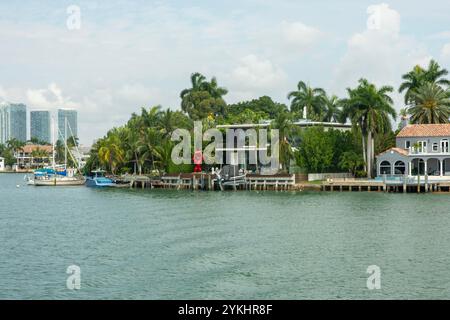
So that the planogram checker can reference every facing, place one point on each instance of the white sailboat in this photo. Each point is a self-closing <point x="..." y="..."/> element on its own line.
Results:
<point x="54" y="176"/>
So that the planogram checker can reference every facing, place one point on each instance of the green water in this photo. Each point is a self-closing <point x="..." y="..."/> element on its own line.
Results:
<point x="159" y="244"/>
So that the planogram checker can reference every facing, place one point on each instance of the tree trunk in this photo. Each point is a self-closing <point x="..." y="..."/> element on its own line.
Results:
<point x="369" y="154"/>
<point x="364" y="152"/>
<point x="372" y="153"/>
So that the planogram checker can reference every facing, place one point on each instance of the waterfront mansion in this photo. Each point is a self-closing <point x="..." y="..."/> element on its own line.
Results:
<point x="421" y="149"/>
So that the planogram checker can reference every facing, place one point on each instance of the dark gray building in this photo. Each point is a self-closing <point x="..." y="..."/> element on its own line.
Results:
<point x="40" y="125"/>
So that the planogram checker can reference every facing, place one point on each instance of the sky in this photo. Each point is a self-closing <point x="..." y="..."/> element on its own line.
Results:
<point x="122" y="55"/>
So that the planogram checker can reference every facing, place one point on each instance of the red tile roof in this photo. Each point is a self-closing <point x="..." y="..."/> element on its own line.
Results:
<point x="28" y="148"/>
<point x="401" y="151"/>
<point x="425" y="130"/>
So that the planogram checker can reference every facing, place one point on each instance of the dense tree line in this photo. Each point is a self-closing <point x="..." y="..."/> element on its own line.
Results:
<point x="143" y="145"/>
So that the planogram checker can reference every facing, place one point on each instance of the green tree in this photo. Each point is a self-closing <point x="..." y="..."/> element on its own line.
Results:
<point x="203" y="98"/>
<point x="370" y="109"/>
<point x="263" y="105"/>
<point x="332" y="109"/>
<point x="312" y="99"/>
<point x="316" y="150"/>
<point x="283" y="123"/>
<point x="418" y="77"/>
<point x="150" y="140"/>
<point x="430" y="104"/>
<point x="15" y="146"/>
<point x="351" y="162"/>
<point x="110" y="152"/>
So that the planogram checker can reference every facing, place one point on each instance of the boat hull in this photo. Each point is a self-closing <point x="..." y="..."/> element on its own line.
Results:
<point x="59" y="182"/>
<point x="96" y="183"/>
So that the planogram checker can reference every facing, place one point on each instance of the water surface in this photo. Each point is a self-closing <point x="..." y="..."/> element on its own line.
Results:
<point x="160" y="244"/>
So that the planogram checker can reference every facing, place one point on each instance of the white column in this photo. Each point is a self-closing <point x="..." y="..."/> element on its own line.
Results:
<point x="441" y="164"/>
<point x="410" y="168"/>
<point x="425" y="167"/>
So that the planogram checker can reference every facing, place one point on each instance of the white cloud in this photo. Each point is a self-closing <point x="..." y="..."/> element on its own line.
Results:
<point x="256" y="73"/>
<point x="254" y="77"/>
<point x="383" y="19"/>
<point x="299" y="35"/>
<point x="380" y="53"/>
<point x="445" y="52"/>
<point x="51" y="97"/>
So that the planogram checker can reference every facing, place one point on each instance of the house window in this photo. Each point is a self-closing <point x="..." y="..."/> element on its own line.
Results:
<point x="408" y="144"/>
<point x="435" y="147"/>
<point x="385" y="167"/>
<point x="422" y="146"/>
<point x="444" y="145"/>
<point x="399" y="167"/>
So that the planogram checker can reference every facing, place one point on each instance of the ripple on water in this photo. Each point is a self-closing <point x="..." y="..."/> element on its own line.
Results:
<point x="155" y="244"/>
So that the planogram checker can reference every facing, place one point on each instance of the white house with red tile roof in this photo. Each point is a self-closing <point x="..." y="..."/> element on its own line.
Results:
<point x="420" y="149"/>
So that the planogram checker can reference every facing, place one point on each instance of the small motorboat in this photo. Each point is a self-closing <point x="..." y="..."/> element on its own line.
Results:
<point x="97" y="179"/>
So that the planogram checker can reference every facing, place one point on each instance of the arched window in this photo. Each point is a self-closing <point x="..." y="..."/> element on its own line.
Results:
<point x="399" y="167"/>
<point x="385" y="167"/>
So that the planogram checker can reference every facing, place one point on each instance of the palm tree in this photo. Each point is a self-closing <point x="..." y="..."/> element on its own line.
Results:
<point x="167" y="122"/>
<point x="332" y="109"/>
<point x="419" y="76"/>
<point x="431" y="104"/>
<point x="131" y="145"/>
<point x="39" y="154"/>
<point x="412" y="80"/>
<point x="283" y="122"/>
<point x="187" y="95"/>
<point x="149" y="141"/>
<point x="110" y="151"/>
<point x="15" y="146"/>
<point x="163" y="155"/>
<point x="203" y="98"/>
<point x="435" y="74"/>
<point x="307" y="97"/>
<point x="150" y="118"/>
<point x="213" y="88"/>
<point x="370" y="109"/>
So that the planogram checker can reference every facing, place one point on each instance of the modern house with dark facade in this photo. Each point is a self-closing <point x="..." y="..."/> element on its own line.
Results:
<point x="421" y="150"/>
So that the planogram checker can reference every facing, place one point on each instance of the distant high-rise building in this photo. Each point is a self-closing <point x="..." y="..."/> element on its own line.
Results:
<point x="13" y="122"/>
<point x="72" y="124"/>
<point x="40" y="125"/>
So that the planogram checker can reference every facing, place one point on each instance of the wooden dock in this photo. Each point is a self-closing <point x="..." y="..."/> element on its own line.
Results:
<point x="208" y="181"/>
<point x="281" y="182"/>
<point x="398" y="186"/>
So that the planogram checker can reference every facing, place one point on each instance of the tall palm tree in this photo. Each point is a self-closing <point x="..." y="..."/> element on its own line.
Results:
<point x="149" y="141"/>
<point x="167" y="122"/>
<point x="370" y="108"/>
<point x="412" y="80"/>
<point x="283" y="122"/>
<point x="332" y="109"/>
<point x="419" y="76"/>
<point x="435" y="74"/>
<point x="15" y="146"/>
<point x="150" y="118"/>
<point x="307" y="97"/>
<point x="132" y="143"/>
<point x="204" y="97"/>
<point x="431" y="104"/>
<point x="110" y="151"/>
<point x="213" y="88"/>
<point x="163" y="155"/>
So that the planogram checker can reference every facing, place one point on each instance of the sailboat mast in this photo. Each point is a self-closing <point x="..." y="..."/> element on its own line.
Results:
<point x="53" y="144"/>
<point x="65" y="142"/>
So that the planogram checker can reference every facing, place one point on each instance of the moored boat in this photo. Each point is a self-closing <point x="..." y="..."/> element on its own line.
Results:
<point x="97" y="179"/>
